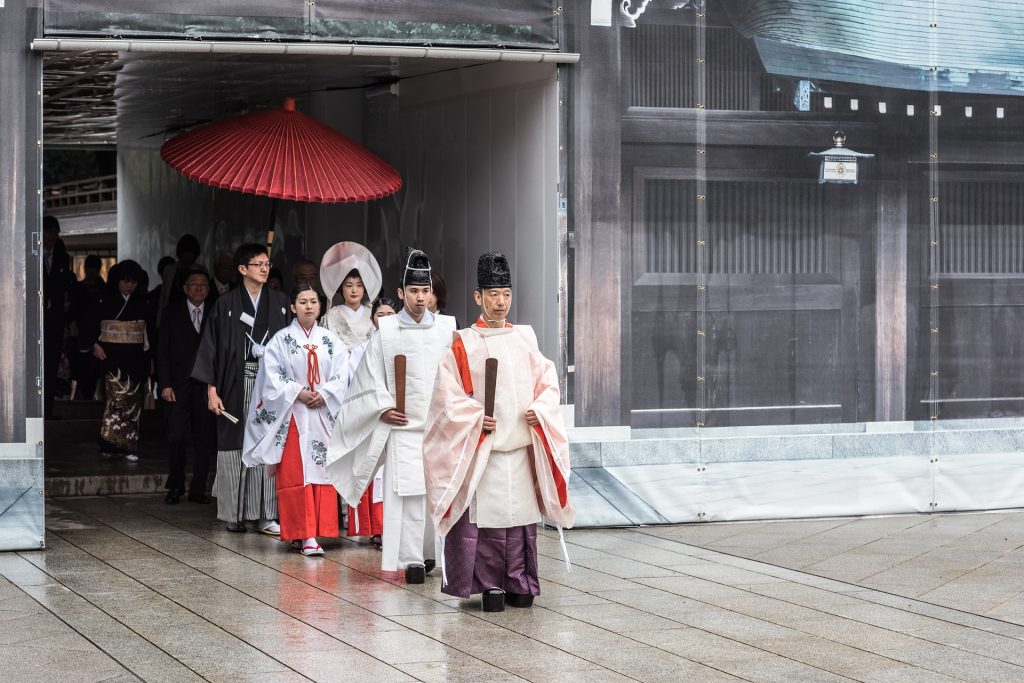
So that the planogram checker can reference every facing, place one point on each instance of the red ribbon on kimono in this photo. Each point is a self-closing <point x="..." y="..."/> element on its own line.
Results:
<point x="312" y="366"/>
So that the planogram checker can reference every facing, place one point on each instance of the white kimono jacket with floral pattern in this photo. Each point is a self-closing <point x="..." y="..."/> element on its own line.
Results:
<point x="295" y="360"/>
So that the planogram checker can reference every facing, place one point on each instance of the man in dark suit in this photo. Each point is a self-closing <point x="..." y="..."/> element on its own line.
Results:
<point x="58" y="279"/>
<point x="188" y="419"/>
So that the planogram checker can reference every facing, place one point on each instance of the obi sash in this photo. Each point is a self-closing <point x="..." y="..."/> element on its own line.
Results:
<point x="123" y="332"/>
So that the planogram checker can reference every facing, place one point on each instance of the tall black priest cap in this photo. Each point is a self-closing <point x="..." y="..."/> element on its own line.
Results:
<point x="492" y="271"/>
<point x="417" y="269"/>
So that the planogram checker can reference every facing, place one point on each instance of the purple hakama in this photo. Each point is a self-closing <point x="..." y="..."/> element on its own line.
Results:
<point x="476" y="560"/>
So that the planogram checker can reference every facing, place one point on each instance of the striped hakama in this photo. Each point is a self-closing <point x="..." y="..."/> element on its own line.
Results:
<point x="244" y="493"/>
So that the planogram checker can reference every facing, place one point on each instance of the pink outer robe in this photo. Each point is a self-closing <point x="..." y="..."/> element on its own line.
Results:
<point x="455" y="451"/>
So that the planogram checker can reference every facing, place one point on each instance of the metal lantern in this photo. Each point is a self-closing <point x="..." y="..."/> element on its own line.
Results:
<point x="839" y="164"/>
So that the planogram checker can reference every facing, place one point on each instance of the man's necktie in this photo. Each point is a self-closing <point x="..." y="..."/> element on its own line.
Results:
<point x="195" y="318"/>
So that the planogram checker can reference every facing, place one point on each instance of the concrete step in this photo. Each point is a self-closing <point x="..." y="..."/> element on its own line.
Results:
<point x="104" y="484"/>
<point x="111" y="484"/>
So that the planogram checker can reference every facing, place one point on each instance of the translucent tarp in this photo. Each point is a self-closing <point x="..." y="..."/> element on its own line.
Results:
<point x="974" y="47"/>
<point x="790" y="347"/>
<point x="21" y="503"/>
<point x="763" y="297"/>
<point x="505" y="23"/>
<point x="256" y="19"/>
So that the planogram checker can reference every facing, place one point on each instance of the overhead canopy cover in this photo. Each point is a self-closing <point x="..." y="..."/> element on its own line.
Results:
<point x="946" y="45"/>
<point x="492" y="23"/>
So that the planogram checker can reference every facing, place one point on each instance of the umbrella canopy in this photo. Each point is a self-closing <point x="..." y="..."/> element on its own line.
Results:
<point x="281" y="153"/>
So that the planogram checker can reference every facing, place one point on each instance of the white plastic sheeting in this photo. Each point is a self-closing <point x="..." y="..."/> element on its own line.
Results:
<point x="786" y="489"/>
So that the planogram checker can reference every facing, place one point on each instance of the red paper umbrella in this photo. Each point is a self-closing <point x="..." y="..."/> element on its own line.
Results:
<point x="281" y="153"/>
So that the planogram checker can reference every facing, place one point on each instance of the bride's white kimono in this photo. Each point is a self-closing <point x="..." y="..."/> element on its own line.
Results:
<point x="352" y="327"/>
<point x="288" y="363"/>
<point x="362" y="442"/>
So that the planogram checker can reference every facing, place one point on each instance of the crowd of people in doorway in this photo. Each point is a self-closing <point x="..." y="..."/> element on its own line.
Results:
<point x="444" y="446"/>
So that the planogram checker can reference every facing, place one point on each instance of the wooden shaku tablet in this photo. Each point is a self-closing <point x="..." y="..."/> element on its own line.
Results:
<point x="490" y="381"/>
<point x="400" y="383"/>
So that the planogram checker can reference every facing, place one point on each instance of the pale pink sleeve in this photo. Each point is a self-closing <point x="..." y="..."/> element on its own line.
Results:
<point x="450" y="444"/>
<point x="551" y="445"/>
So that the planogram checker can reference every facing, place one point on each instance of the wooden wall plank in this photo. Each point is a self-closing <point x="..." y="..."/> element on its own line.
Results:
<point x="891" y="301"/>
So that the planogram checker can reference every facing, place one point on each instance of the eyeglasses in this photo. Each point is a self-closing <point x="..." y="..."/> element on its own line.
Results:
<point x="262" y="265"/>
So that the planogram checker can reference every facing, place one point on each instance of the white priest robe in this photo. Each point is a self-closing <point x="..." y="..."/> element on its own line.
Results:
<point x="361" y="441"/>
<point x="517" y="475"/>
<point x="285" y="370"/>
<point x="356" y="354"/>
<point x="355" y="327"/>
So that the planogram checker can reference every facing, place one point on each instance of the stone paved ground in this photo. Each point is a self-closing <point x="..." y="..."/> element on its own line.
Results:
<point x="132" y="589"/>
<point x="971" y="562"/>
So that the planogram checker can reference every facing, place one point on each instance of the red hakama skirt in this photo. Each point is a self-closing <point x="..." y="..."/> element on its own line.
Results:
<point x="367" y="519"/>
<point x="307" y="510"/>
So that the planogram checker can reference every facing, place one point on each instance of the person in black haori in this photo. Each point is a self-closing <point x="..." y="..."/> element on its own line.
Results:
<point x="85" y="366"/>
<point x="58" y="279"/>
<point x="230" y="352"/>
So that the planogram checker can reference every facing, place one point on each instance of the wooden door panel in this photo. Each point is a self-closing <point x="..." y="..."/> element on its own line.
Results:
<point x="751" y="322"/>
<point x="976" y="295"/>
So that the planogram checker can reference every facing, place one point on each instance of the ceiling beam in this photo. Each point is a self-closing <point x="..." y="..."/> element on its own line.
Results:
<point x="286" y="48"/>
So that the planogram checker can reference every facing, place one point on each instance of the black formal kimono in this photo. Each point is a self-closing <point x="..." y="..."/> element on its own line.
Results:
<point x="226" y="360"/>
<point x="123" y="328"/>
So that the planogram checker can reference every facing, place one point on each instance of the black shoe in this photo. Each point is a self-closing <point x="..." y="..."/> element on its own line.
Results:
<point x="493" y="600"/>
<point x="172" y="497"/>
<point x="236" y="527"/>
<point x="415" y="573"/>
<point x="204" y="499"/>
<point x="518" y="599"/>
<point x="428" y="566"/>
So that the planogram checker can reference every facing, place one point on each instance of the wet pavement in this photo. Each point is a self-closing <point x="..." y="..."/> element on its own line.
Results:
<point x="132" y="589"/>
<point x="74" y="466"/>
<point x="72" y="449"/>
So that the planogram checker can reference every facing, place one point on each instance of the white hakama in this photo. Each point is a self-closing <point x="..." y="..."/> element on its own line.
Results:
<point x="361" y="442"/>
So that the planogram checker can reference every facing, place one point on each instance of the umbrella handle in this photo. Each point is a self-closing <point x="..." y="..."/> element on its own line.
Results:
<point x="270" y="230"/>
